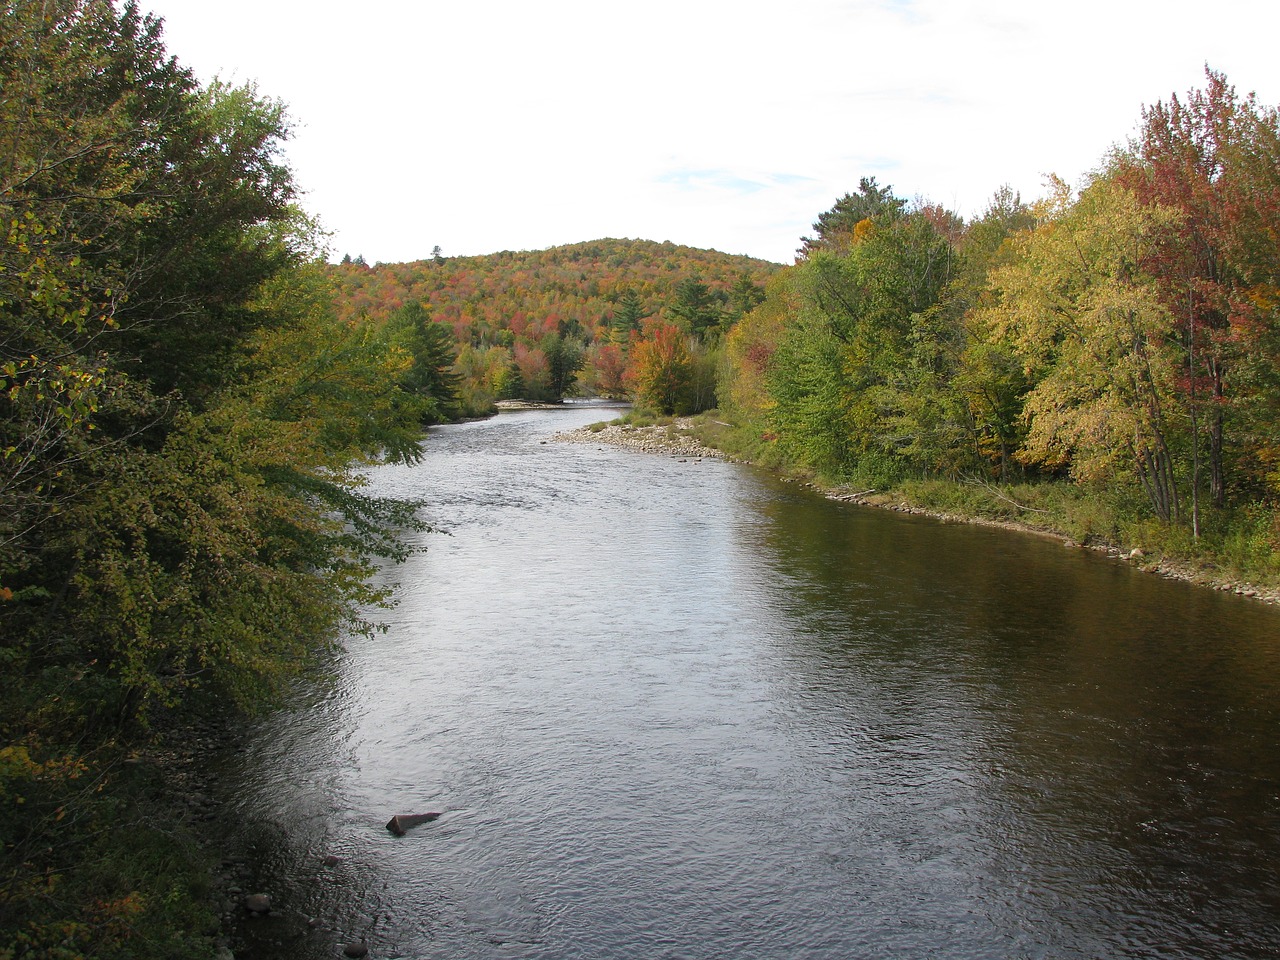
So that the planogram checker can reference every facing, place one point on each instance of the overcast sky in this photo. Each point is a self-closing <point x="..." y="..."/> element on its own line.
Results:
<point x="731" y="124"/>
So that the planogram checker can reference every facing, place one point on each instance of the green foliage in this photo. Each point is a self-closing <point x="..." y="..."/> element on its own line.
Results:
<point x="836" y="229"/>
<point x="694" y="308"/>
<point x="86" y="894"/>
<point x="627" y="316"/>
<point x="745" y="295"/>
<point x="643" y="417"/>
<point x="565" y="357"/>
<point x="860" y="376"/>
<point x="432" y="375"/>
<point x="183" y="419"/>
<point x="807" y="383"/>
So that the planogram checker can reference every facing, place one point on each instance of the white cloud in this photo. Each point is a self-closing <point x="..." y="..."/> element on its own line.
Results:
<point x="507" y="125"/>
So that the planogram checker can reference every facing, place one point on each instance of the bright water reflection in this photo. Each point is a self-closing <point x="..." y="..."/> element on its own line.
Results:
<point x="680" y="710"/>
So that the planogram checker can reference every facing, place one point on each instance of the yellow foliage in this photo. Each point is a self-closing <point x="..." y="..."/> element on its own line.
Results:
<point x="1091" y="331"/>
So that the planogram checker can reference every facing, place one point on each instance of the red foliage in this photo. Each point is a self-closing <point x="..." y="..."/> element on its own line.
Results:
<point x="532" y="293"/>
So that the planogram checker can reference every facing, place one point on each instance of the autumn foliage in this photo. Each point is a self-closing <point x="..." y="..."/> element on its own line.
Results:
<point x="1123" y="335"/>
<point x="513" y="313"/>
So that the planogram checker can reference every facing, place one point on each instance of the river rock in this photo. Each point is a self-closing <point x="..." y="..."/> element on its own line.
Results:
<point x="403" y="822"/>
<point x="355" y="950"/>
<point x="257" y="903"/>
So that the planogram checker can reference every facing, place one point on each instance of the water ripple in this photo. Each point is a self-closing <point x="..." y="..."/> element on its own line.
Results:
<point x="678" y="710"/>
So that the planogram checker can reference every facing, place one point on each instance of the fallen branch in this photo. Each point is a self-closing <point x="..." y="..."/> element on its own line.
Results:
<point x="995" y="492"/>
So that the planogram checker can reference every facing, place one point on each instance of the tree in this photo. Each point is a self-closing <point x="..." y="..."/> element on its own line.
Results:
<point x="695" y="307"/>
<point x="810" y="394"/>
<point x="564" y="359"/>
<point x="662" y="369"/>
<point x="1213" y="157"/>
<point x="744" y="297"/>
<point x="1093" y="334"/>
<point x="182" y="422"/>
<point x="434" y="353"/>
<point x="531" y="373"/>
<point x="626" y="318"/>
<point x="866" y="339"/>
<point x="80" y="170"/>
<point x="749" y="347"/>
<point x="608" y="366"/>
<point x="836" y="228"/>
<point x="989" y="377"/>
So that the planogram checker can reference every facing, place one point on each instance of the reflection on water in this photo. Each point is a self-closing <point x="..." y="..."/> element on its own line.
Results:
<point x="680" y="710"/>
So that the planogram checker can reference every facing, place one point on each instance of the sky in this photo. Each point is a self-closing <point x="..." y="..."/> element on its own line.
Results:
<point x="487" y="125"/>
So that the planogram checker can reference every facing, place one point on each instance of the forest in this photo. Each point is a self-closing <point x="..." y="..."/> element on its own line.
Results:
<point x="545" y="324"/>
<point x="190" y="393"/>
<point x="1119" y="340"/>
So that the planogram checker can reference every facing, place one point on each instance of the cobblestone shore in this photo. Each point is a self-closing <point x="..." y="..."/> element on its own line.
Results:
<point x="670" y="439"/>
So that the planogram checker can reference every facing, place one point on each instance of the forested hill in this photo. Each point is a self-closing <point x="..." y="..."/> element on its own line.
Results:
<point x="519" y="318"/>
<point x="531" y="291"/>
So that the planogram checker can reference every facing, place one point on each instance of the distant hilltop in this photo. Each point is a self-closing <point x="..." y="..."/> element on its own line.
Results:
<point x="541" y="324"/>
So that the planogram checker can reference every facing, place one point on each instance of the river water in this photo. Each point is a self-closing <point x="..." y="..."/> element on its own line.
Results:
<point x="681" y="710"/>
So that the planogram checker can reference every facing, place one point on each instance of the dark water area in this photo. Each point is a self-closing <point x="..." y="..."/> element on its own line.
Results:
<point x="682" y="710"/>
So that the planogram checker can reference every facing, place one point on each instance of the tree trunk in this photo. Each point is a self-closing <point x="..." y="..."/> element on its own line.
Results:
<point x="1217" y="474"/>
<point x="1155" y="471"/>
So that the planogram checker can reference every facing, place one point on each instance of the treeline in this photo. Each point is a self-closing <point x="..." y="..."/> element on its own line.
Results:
<point x="579" y="319"/>
<point x="182" y="418"/>
<point x="1125" y="337"/>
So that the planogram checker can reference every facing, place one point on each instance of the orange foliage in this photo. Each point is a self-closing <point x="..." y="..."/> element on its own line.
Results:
<point x="515" y="298"/>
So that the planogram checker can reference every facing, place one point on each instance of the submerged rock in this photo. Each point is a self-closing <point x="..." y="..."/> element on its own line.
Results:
<point x="402" y="822"/>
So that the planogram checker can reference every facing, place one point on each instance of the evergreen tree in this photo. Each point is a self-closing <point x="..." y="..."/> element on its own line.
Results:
<point x="835" y="229"/>
<point x="565" y="357"/>
<point x="433" y="353"/>
<point x="695" y="306"/>
<point x="627" y="316"/>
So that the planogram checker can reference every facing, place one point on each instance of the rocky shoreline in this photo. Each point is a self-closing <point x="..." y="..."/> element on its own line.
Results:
<point x="671" y="440"/>
<point x="675" y="440"/>
<point x="255" y="919"/>
<point x="502" y="405"/>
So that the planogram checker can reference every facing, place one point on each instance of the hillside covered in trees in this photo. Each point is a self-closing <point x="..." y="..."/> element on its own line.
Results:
<point x="544" y="324"/>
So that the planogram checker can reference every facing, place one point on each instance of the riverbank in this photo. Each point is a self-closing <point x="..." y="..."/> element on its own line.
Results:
<point x="507" y="405"/>
<point x="687" y="437"/>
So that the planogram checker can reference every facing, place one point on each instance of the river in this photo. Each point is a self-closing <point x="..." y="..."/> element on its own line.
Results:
<point x="682" y="710"/>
